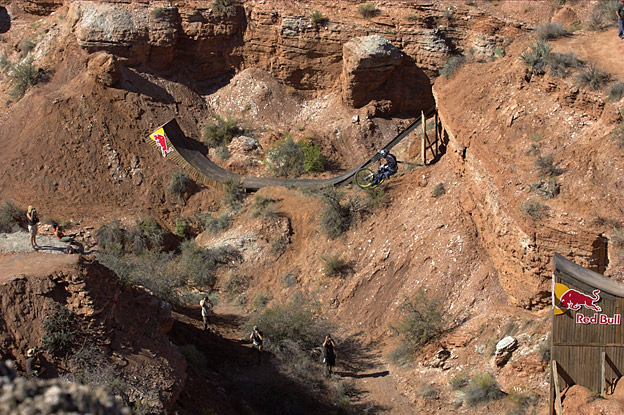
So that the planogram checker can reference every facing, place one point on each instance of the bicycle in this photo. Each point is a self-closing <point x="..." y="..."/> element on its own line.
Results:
<point x="367" y="179"/>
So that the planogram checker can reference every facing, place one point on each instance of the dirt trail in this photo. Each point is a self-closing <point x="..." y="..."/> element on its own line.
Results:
<point x="603" y="48"/>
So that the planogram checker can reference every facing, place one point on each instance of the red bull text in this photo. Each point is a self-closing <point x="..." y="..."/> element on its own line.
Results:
<point x="565" y="299"/>
<point x="599" y="319"/>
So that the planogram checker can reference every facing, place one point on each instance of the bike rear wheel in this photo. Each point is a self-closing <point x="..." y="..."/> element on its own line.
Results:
<point x="364" y="178"/>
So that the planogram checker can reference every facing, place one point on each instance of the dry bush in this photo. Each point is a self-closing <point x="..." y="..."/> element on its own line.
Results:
<point x="593" y="77"/>
<point x="23" y="76"/>
<point x="482" y="388"/>
<point x="533" y="208"/>
<point x="536" y="58"/>
<point x="334" y="265"/>
<point x="438" y="190"/>
<point x="10" y="216"/>
<point x="548" y="31"/>
<point x="318" y="19"/>
<point x="367" y="9"/>
<point x="562" y="64"/>
<point x="286" y="159"/>
<point x="546" y="166"/>
<point x="616" y="91"/>
<point x="234" y="194"/>
<point x="224" y="8"/>
<point x="220" y="133"/>
<point x="62" y="330"/>
<point x="452" y="65"/>
<point x="180" y="187"/>
<point x="217" y="224"/>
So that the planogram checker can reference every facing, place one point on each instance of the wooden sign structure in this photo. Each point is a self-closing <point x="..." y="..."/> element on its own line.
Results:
<point x="426" y="143"/>
<point x="587" y="340"/>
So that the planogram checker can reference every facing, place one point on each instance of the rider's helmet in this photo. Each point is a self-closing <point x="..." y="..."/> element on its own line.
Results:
<point x="383" y="152"/>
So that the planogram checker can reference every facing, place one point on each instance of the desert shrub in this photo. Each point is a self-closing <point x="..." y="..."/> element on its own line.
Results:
<point x="200" y="264"/>
<point x="223" y="8"/>
<point x="145" y="235"/>
<point x="279" y="244"/>
<point x="338" y="215"/>
<point x="595" y="21"/>
<point x="617" y="237"/>
<point x="547" y="188"/>
<point x="220" y="132"/>
<point x="183" y="227"/>
<point x="216" y="224"/>
<point x="534" y="209"/>
<point x="5" y="64"/>
<point x="546" y="167"/>
<point x="593" y="77"/>
<point x="618" y="136"/>
<point x="233" y="195"/>
<point x="313" y="158"/>
<point x="616" y="91"/>
<point x="482" y="388"/>
<point x="91" y="367"/>
<point x="158" y="13"/>
<point x="367" y="9"/>
<point x="543" y="348"/>
<point x="498" y="52"/>
<point x="452" y="65"/>
<point x="548" y="31"/>
<point x="317" y="18"/>
<point x="423" y="319"/>
<point x="520" y="401"/>
<point x="194" y="358"/>
<point x="10" y="216"/>
<point x="334" y="265"/>
<point x="265" y="207"/>
<point x="297" y="321"/>
<point x="459" y="381"/>
<point x="536" y="58"/>
<point x="561" y="64"/>
<point x="261" y="300"/>
<point x="61" y="330"/>
<point x="180" y="186"/>
<point x="156" y="271"/>
<point x="111" y="237"/>
<point x="223" y="152"/>
<point x="234" y="284"/>
<point x="428" y="391"/>
<point x="25" y="45"/>
<point x="286" y="159"/>
<point x="376" y="197"/>
<point x="23" y="76"/>
<point x="438" y="190"/>
<point x="290" y="278"/>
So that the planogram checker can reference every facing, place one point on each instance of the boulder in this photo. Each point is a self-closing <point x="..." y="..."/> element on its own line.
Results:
<point x="504" y="349"/>
<point x="104" y="68"/>
<point x="374" y="69"/>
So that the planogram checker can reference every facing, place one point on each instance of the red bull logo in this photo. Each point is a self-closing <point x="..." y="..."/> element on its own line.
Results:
<point x="565" y="299"/>
<point x="160" y="139"/>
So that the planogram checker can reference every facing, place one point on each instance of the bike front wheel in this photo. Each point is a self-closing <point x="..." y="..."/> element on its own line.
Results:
<point x="364" y="178"/>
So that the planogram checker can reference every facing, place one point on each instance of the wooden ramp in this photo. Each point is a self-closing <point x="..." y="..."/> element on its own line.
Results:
<point x="587" y="339"/>
<point x="191" y="156"/>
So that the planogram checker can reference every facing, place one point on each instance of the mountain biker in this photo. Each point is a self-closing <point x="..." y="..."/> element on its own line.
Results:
<point x="388" y="169"/>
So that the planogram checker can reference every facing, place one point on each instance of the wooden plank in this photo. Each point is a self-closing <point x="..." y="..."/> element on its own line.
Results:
<point x="603" y="359"/>
<point x="437" y="133"/>
<point x="558" y="406"/>
<point x="422" y="142"/>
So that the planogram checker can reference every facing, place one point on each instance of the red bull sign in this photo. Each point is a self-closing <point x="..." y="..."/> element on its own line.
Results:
<point x="160" y="138"/>
<point x="565" y="299"/>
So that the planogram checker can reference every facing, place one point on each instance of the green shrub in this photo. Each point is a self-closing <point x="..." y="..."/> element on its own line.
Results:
<point x="313" y="158"/>
<point x="423" y="319"/>
<point x="261" y="300"/>
<point x="616" y="91"/>
<point x="10" y="216"/>
<point x="536" y="58"/>
<point x="234" y="194"/>
<point x="459" y="381"/>
<point x="23" y="76"/>
<point x="183" y="227"/>
<point x="221" y="132"/>
<point x="334" y="265"/>
<point x="5" y="65"/>
<point x="234" y="285"/>
<point x="317" y="18"/>
<point x="286" y="159"/>
<point x="297" y="321"/>
<point x="223" y="152"/>
<point x="92" y="368"/>
<point x="217" y="224"/>
<point x="595" y="21"/>
<point x="546" y="167"/>
<point x="200" y="264"/>
<point x="367" y="9"/>
<point x="376" y="197"/>
<point x="180" y="187"/>
<point x="520" y="401"/>
<point x="547" y="188"/>
<point x="265" y="207"/>
<point x="534" y="209"/>
<point x="618" y="135"/>
<point x="452" y="65"/>
<point x="593" y="77"/>
<point x="25" y="45"/>
<point x="61" y="330"/>
<point x="438" y="190"/>
<point x="428" y="391"/>
<point x="223" y="8"/>
<point x="279" y="244"/>
<point x="111" y="237"/>
<point x="146" y="235"/>
<point x="158" y="272"/>
<point x="482" y="388"/>
<point x="561" y="64"/>
<point x="548" y="31"/>
<point x="194" y="358"/>
<point x="290" y="278"/>
<point x="337" y="215"/>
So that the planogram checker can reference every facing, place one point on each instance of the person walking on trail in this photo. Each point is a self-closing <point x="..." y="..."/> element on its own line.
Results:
<point x="390" y="167"/>
<point x="33" y="220"/>
<point x="620" y="15"/>
<point x="256" y="344"/>
<point x="206" y="312"/>
<point x="329" y="355"/>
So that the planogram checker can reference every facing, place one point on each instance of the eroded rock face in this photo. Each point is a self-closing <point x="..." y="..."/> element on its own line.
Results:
<point x="127" y="325"/>
<point x="104" y="68"/>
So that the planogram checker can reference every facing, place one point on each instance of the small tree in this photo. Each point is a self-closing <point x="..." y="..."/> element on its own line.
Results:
<point x="23" y="76"/>
<point x="367" y="9"/>
<point x="180" y="186"/>
<point x="452" y="65"/>
<point x="314" y="160"/>
<point x="286" y="159"/>
<point x="317" y="18"/>
<point x="220" y="132"/>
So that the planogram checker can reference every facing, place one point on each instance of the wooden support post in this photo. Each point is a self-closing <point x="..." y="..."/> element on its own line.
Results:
<point x="555" y="375"/>
<point x="603" y="361"/>
<point x="423" y="145"/>
<point x="437" y="135"/>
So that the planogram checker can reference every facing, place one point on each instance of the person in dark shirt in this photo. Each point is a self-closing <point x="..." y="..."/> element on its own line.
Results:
<point x="33" y="365"/>
<point x="256" y="344"/>
<point x="620" y="16"/>
<point x="389" y="168"/>
<point x="329" y="355"/>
